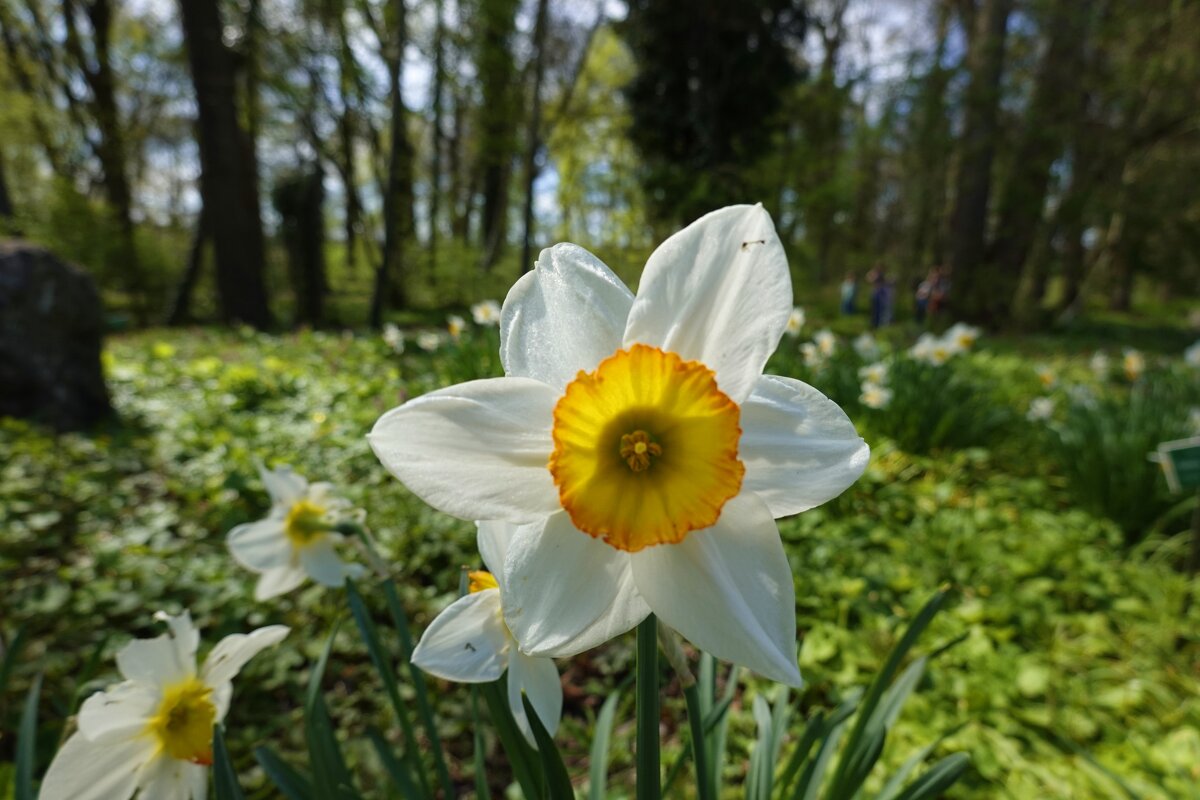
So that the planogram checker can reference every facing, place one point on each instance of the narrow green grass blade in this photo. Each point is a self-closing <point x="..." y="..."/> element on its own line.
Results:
<point x="225" y="781"/>
<point x="865" y="741"/>
<point x="329" y="768"/>
<point x="810" y="781"/>
<point x="704" y="789"/>
<point x="759" y="752"/>
<point x="424" y="706"/>
<point x="648" y="763"/>
<point x="896" y="780"/>
<point x="937" y="779"/>
<point x="395" y="769"/>
<point x="290" y="781"/>
<point x="554" y="771"/>
<point x="382" y="663"/>
<point x="720" y="735"/>
<point x="601" y="739"/>
<point x="521" y="756"/>
<point x="812" y="732"/>
<point x="482" y="792"/>
<point x="27" y="742"/>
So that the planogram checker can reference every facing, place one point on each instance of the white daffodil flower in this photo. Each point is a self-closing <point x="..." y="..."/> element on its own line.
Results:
<point x="297" y="539"/>
<point x="639" y="448"/>
<point x="876" y="373"/>
<point x="428" y="341"/>
<point x="1099" y="364"/>
<point x="469" y="642"/>
<point x="456" y="325"/>
<point x="961" y="336"/>
<point x="393" y="337"/>
<point x="811" y="355"/>
<point x="826" y="342"/>
<point x="875" y="396"/>
<point x="1040" y="409"/>
<point x="486" y="312"/>
<point x="1047" y="377"/>
<point x="866" y="347"/>
<point x="795" y="322"/>
<point x="152" y="733"/>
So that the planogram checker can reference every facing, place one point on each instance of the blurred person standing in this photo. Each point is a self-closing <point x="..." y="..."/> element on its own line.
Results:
<point x="849" y="294"/>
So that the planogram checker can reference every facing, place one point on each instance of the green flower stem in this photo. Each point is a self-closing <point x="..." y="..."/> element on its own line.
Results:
<point x="648" y="771"/>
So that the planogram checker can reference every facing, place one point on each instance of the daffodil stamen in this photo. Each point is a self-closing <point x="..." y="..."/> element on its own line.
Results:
<point x="184" y="722"/>
<point x="305" y="523"/>
<point x="639" y="451"/>
<point x="631" y="488"/>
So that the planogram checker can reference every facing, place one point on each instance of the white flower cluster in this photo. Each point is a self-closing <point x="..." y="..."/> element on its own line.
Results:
<point x="875" y="393"/>
<point x="937" y="350"/>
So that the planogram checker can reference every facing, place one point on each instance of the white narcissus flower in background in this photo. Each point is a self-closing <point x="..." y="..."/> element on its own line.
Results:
<point x="795" y="322"/>
<point x="875" y="396"/>
<point x="639" y="448"/>
<point x="826" y="342"/>
<point x="429" y="341"/>
<point x="811" y="355"/>
<point x="1046" y="377"/>
<point x="961" y="336"/>
<point x="393" y="337"/>
<point x="486" y="312"/>
<point x="932" y="350"/>
<point x="152" y="733"/>
<point x="469" y="642"/>
<point x="297" y="539"/>
<point x="1099" y="364"/>
<point x="876" y="373"/>
<point x="456" y="325"/>
<point x="1040" y="409"/>
<point x="866" y="347"/>
<point x="1191" y="356"/>
<point x="1133" y="365"/>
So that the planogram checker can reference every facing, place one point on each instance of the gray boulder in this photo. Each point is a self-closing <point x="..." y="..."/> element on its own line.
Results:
<point x="51" y="325"/>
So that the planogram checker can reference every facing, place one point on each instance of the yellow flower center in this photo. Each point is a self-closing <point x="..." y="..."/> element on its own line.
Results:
<point x="184" y="722"/>
<point x="645" y="449"/>
<point x="481" y="580"/>
<point x="305" y="523"/>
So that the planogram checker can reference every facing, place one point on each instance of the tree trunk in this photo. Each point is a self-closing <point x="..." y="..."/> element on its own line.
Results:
<point x="932" y="139"/>
<point x="228" y="184"/>
<point x="533" y="142"/>
<point x="181" y="308"/>
<point x="497" y="120"/>
<point x="6" y="207"/>
<point x="299" y="199"/>
<point x="398" y="200"/>
<point x="435" y="167"/>
<point x="1047" y="126"/>
<point x="985" y="60"/>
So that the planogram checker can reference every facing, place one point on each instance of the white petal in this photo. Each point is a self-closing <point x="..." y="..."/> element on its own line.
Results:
<point x="728" y="589"/>
<point x="565" y="316"/>
<point x="719" y="292"/>
<point x="466" y="642"/>
<point x="156" y="661"/>
<point x="197" y="778"/>
<point x="538" y="679"/>
<point x="260" y="545"/>
<point x="566" y="592"/>
<point x="493" y="539"/>
<point x="284" y="485"/>
<point x="277" y="581"/>
<point x="232" y="653"/>
<point x="477" y="450"/>
<point x="118" y="712"/>
<point x="800" y="449"/>
<point x="84" y="770"/>
<point x="166" y="778"/>
<point x="322" y="564"/>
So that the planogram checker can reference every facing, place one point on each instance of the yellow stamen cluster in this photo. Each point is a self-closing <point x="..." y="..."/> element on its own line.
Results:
<point x="305" y="523"/>
<point x="184" y="722"/>
<point x="638" y="450"/>
<point x="481" y="580"/>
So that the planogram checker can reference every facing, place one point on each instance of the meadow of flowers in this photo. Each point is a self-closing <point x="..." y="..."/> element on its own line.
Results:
<point x="983" y="567"/>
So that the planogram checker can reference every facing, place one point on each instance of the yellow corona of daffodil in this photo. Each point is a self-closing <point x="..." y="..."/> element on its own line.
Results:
<point x="638" y="448"/>
<point x="152" y="733"/>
